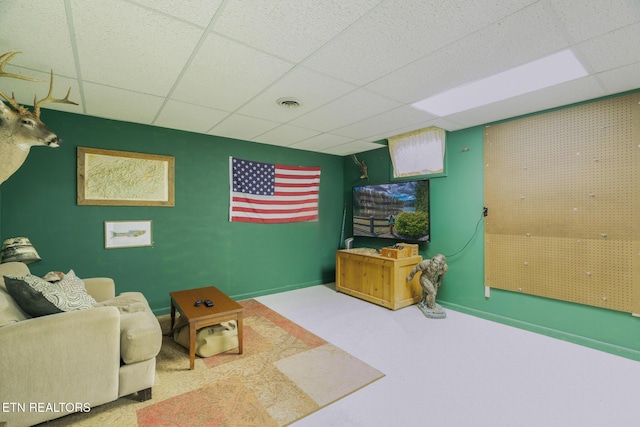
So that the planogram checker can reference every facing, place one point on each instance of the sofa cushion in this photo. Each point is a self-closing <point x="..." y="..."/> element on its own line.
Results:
<point x="39" y="297"/>
<point x="14" y="269"/>
<point x="140" y="332"/>
<point x="10" y="311"/>
<point x="127" y="302"/>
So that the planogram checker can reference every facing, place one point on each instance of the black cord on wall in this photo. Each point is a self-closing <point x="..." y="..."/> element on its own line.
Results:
<point x="484" y="213"/>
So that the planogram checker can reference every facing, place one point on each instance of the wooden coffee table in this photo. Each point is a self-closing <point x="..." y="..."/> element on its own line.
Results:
<point x="224" y="309"/>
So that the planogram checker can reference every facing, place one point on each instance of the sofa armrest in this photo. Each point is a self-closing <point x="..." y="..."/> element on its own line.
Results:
<point x="65" y="357"/>
<point x="100" y="288"/>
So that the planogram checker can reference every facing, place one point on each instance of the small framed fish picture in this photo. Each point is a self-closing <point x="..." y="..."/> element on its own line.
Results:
<point x="127" y="234"/>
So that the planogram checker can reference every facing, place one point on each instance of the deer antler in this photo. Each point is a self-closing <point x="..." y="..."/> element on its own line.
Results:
<point x="4" y="60"/>
<point x="49" y="98"/>
<point x="362" y="166"/>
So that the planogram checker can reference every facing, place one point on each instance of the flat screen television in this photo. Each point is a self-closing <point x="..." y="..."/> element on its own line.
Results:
<point x="398" y="211"/>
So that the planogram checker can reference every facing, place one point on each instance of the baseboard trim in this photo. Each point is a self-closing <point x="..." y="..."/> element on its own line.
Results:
<point x="550" y="332"/>
<point x="239" y="297"/>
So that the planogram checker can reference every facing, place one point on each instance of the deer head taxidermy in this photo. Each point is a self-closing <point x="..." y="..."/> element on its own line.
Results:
<point x="21" y="129"/>
<point x="362" y="166"/>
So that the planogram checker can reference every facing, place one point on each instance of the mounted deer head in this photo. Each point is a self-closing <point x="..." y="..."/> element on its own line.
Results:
<point x="21" y="129"/>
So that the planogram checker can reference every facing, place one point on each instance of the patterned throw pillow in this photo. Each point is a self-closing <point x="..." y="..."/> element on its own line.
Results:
<point x="39" y="297"/>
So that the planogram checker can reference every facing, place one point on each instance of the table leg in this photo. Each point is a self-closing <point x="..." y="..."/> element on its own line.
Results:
<point x="240" y="328"/>
<point x="173" y="315"/>
<point x="192" y="344"/>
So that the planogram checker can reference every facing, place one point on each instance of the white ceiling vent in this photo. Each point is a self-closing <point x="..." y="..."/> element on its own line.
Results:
<point x="288" y="102"/>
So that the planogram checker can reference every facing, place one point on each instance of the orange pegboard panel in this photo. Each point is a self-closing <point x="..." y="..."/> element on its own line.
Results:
<point x="563" y="192"/>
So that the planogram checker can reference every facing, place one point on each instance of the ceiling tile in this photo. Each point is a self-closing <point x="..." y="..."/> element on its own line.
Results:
<point x="242" y="127"/>
<point x="198" y="12"/>
<point x="384" y="123"/>
<point x="612" y="49"/>
<point x="352" y="148"/>
<point x="285" y="135"/>
<point x="349" y="109"/>
<point x="621" y="79"/>
<point x="321" y="142"/>
<point x="189" y="117"/>
<point x="225" y="74"/>
<point x="138" y="50"/>
<point x="312" y="89"/>
<point x="401" y="31"/>
<point x="439" y="122"/>
<point x="522" y="37"/>
<point x="44" y="47"/>
<point x="587" y="19"/>
<point x="290" y="29"/>
<point x="120" y="104"/>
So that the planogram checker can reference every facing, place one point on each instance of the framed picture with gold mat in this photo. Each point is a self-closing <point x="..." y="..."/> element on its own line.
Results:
<point x="122" y="178"/>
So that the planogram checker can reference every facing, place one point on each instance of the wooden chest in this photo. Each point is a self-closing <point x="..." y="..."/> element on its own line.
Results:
<point x="378" y="279"/>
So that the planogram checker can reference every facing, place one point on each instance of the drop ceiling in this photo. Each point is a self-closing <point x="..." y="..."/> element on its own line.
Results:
<point x="218" y="66"/>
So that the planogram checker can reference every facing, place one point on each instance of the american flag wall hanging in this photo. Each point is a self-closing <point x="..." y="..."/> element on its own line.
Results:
<point x="268" y="193"/>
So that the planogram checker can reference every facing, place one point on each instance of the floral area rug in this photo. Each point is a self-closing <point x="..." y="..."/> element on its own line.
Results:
<point x="284" y="374"/>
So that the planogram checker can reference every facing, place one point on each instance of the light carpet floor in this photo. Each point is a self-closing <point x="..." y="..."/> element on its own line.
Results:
<point x="284" y="374"/>
<point x="462" y="371"/>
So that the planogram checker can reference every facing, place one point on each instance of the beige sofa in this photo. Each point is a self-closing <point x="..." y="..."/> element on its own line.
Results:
<point x="72" y="361"/>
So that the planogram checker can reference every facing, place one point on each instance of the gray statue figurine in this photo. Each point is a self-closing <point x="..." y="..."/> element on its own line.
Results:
<point x="432" y="271"/>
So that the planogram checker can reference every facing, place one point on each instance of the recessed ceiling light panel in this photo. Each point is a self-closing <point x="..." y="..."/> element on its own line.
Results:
<point x="539" y="74"/>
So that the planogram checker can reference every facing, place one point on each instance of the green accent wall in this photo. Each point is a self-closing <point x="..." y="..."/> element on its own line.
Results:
<point x="456" y="209"/>
<point x="195" y="245"/>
